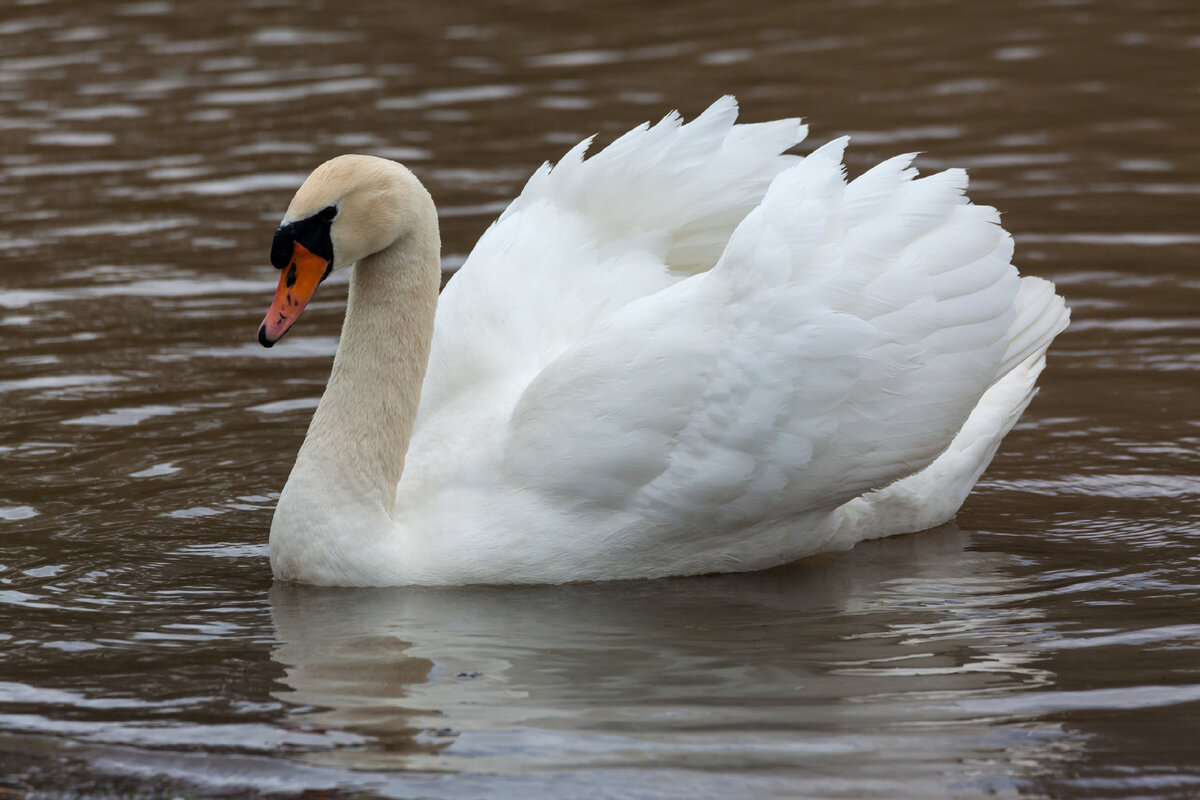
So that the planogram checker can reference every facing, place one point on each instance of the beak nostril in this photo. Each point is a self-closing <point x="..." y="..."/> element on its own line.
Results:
<point x="291" y="275"/>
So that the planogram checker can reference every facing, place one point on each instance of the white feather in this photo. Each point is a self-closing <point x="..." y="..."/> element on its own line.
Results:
<point x="692" y="352"/>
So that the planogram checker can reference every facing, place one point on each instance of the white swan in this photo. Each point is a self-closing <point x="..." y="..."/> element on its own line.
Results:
<point x="686" y="354"/>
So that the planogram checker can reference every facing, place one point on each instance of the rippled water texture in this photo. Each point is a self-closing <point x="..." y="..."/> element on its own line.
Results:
<point x="1046" y="645"/>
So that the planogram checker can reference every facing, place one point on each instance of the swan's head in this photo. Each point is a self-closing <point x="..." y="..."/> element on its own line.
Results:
<point x="349" y="208"/>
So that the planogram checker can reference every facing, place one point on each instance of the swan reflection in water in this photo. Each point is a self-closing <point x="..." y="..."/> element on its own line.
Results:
<point x="846" y="664"/>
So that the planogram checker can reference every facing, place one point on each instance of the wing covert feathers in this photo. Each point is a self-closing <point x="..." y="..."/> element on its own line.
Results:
<point x="692" y="328"/>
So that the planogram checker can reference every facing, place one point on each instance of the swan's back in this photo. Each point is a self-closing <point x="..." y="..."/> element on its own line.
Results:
<point x="690" y="349"/>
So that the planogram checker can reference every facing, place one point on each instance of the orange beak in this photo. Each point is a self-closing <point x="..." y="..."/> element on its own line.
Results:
<point x="296" y="286"/>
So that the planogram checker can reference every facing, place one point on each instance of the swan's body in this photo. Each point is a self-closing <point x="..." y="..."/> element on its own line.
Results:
<point x="686" y="354"/>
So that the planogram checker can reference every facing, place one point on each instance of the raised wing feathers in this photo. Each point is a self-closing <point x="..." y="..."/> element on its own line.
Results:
<point x="586" y="238"/>
<point x="839" y="343"/>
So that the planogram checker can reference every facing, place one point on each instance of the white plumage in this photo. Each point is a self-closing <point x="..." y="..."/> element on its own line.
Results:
<point x="691" y="353"/>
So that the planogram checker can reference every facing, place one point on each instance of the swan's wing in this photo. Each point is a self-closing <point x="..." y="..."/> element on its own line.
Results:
<point x="837" y="346"/>
<point x="582" y="241"/>
<point x="587" y="237"/>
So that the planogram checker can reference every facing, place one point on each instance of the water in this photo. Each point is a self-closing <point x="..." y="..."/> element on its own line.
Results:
<point x="1044" y="645"/>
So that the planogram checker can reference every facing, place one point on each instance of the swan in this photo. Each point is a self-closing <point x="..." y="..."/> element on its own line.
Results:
<point x="690" y="352"/>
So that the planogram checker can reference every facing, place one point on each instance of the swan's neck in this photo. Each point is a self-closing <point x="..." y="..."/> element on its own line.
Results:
<point x="354" y="451"/>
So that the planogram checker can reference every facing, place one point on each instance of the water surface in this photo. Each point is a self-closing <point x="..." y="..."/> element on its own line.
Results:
<point x="1045" y="645"/>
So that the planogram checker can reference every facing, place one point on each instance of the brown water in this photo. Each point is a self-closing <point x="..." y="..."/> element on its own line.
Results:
<point x="1046" y="645"/>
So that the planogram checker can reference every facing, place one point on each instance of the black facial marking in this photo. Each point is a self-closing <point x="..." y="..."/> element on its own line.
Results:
<point x="281" y="247"/>
<point x="312" y="232"/>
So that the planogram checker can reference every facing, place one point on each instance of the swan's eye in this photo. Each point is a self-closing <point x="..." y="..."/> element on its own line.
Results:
<point x="327" y="214"/>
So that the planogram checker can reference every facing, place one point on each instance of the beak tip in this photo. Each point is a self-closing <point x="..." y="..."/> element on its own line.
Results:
<point x="262" y="336"/>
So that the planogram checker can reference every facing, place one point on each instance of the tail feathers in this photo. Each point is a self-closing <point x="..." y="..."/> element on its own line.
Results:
<point x="1041" y="315"/>
<point x="932" y="496"/>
